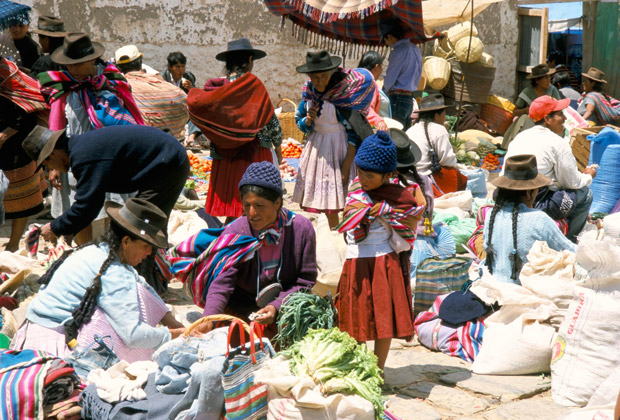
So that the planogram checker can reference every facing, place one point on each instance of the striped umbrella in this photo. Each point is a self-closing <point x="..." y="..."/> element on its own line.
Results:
<point x="348" y="28"/>
<point x="13" y="13"/>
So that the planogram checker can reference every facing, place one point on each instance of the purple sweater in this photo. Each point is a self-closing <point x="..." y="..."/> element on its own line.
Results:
<point x="236" y="287"/>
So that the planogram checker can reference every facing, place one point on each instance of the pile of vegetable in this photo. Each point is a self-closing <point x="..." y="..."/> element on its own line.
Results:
<point x="199" y="166"/>
<point x="462" y="155"/>
<point x="291" y="150"/>
<point x="490" y="162"/>
<point x="300" y="312"/>
<point x="333" y="359"/>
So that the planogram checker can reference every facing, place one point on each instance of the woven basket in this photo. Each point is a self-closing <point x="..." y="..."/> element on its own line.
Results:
<point x="437" y="71"/>
<point x="497" y="118"/>
<point x="442" y="47"/>
<point x="461" y="30"/>
<point x="210" y="318"/>
<point x="475" y="52"/>
<point x="287" y="122"/>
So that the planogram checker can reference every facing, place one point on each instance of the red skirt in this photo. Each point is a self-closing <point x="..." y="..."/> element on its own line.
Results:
<point x="374" y="300"/>
<point x="223" y="198"/>
<point x="449" y="180"/>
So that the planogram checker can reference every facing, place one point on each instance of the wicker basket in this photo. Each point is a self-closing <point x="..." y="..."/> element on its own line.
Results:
<point x="287" y="122"/>
<point x="210" y="318"/>
<point x="498" y="119"/>
<point x="437" y="71"/>
<point x="461" y="30"/>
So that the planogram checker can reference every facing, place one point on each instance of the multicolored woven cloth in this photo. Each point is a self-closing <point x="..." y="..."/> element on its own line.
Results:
<point x="20" y="88"/>
<point x="355" y="91"/>
<point x="198" y="260"/>
<point x="13" y="13"/>
<point x="356" y="22"/>
<point x="361" y="210"/>
<point x="32" y="239"/>
<point x="607" y="110"/>
<point x="22" y="377"/>
<point x="57" y="84"/>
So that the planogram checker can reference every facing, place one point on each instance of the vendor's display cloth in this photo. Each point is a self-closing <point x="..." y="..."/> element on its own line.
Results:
<point x="361" y="205"/>
<point x="355" y="91"/>
<point x="198" y="260"/>
<point x="30" y="379"/>
<point x="20" y="88"/>
<point x="105" y="110"/>
<point x="13" y="14"/>
<point x="233" y="114"/>
<point x="353" y="22"/>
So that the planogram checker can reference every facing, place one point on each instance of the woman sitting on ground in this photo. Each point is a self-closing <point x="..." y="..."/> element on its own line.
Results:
<point x="596" y="105"/>
<point x="96" y="290"/>
<point x="513" y="225"/>
<point x="438" y="160"/>
<point x="284" y="253"/>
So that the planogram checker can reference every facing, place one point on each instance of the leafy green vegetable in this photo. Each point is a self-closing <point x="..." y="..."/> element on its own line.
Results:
<point x="301" y="311"/>
<point x="335" y="360"/>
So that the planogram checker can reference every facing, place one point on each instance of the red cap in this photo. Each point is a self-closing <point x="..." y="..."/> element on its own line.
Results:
<point x="544" y="105"/>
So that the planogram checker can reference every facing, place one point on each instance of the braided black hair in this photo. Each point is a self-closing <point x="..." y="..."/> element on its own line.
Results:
<point x="84" y="312"/>
<point x="505" y="196"/>
<point x="402" y="173"/>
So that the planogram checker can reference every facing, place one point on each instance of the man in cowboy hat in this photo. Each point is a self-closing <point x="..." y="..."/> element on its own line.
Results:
<point x="403" y="72"/>
<point x="119" y="159"/>
<point x="51" y="31"/>
<point x="162" y="104"/>
<point x="569" y="195"/>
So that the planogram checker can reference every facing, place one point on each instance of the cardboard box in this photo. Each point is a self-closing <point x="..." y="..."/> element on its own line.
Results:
<point x="581" y="145"/>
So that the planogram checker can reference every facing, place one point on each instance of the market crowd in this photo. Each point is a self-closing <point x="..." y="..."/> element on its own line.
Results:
<point x="106" y="140"/>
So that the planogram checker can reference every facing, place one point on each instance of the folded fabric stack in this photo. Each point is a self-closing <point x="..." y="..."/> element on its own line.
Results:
<point x="30" y="380"/>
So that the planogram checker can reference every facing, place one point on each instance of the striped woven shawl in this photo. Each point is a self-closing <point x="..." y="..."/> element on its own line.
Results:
<point x="20" y="88"/>
<point x="395" y="204"/>
<point x="355" y="91"/>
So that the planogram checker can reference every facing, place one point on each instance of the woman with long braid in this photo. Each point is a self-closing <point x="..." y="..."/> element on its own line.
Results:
<point x="513" y="225"/>
<point x="95" y="289"/>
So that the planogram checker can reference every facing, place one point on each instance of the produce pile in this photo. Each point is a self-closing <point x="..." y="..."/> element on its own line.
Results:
<point x="334" y="360"/>
<point x="300" y="312"/>
<point x="291" y="150"/>
<point x="198" y="165"/>
<point x="200" y="173"/>
<point x="462" y="155"/>
<point x="287" y="172"/>
<point x="490" y="162"/>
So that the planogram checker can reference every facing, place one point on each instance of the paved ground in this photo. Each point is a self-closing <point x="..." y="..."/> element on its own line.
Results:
<point x="425" y="385"/>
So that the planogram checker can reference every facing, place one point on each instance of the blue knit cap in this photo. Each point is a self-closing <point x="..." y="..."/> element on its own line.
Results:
<point x="377" y="154"/>
<point x="263" y="174"/>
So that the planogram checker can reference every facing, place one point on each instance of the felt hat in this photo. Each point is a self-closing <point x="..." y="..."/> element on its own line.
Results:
<point x="76" y="49"/>
<point x="318" y="61"/>
<point x="458" y="308"/>
<point x="595" y="74"/>
<point x="40" y="143"/>
<point x="50" y="26"/>
<point x="264" y="174"/>
<point x="127" y="54"/>
<point x="407" y="152"/>
<point x="377" y="154"/>
<point x="141" y="218"/>
<point x="540" y="71"/>
<point x="544" y="105"/>
<point x="521" y="174"/>
<point x="240" y="45"/>
<point x="432" y="102"/>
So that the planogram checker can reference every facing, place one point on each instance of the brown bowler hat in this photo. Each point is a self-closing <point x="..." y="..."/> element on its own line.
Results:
<point x="540" y="71"/>
<point x="40" y="143"/>
<point x="77" y="48"/>
<point x="141" y="218"/>
<point x="50" y="26"/>
<point x="595" y="74"/>
<point x="521" y="173"/>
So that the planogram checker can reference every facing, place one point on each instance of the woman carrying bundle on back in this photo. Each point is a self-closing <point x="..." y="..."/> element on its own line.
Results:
<point x="513" y="225"/>
<point x="374" y="299"/>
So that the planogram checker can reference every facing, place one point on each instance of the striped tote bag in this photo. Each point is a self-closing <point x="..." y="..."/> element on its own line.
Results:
<point x="438" y="276"/>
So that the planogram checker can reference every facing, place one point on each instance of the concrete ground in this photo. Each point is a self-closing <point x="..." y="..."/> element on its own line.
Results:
<point x="421" y="384"/>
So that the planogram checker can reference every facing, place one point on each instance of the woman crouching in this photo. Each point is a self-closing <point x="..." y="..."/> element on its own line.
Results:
<point x="96" y="290"/>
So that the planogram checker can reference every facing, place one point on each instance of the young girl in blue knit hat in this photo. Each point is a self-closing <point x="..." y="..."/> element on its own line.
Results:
<point x="380" y="219"/>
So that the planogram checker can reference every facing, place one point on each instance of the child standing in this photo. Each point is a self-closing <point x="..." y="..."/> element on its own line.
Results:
<point x="380" y="219"/>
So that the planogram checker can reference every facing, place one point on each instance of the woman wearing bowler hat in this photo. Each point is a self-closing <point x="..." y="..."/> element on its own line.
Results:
<point x="87" y="95"/>
<point x="597" y="105"/>
<point x="513" y="225"/>
<point x="51" y="32"/>
<point x="96" y="290"/>
<point x="236" y="114"/>
<point x="326" y="163"/>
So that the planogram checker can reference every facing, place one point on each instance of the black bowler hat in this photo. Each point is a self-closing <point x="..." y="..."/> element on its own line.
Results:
<point x="407" y="152"/>
<point x="40" y="143"/>
<point x="240" y="45"/>
<point x="319" y="61"/>
<point x="141" y="218"/>
<point x="77" y="48"/>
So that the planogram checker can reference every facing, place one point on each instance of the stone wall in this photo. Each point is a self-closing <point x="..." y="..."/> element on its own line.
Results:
<point x="201" y="29"/>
